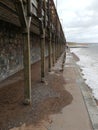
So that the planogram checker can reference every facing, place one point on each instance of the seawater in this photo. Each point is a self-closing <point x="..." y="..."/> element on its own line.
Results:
<point x="89" y="64"/>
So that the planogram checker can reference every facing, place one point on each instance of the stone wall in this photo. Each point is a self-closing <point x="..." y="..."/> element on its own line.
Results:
<point x="11" y="49"/>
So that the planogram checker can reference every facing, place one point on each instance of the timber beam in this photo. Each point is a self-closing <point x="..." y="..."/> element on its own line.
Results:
<point x="21" y="13"/>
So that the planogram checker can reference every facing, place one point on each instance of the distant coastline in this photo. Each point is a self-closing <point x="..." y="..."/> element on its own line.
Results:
<point x="77" y="45"/>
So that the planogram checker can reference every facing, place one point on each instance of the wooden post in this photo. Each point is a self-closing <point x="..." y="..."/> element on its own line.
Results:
<point x="24" y="12"/>
<point x="50" y="36"/>
<point x="60" y="46"/>
<point x="56" y="47"/>
<point x="27" y="66"/>
<point x="50" y="54"/>
<point x="53" y="46"/>
<point x="42" y="36"/>
<point x="43" y="56"/>
<point x="63" y="47"/>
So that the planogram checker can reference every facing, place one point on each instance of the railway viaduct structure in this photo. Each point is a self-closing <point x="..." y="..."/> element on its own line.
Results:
<point x="30" y="31"/>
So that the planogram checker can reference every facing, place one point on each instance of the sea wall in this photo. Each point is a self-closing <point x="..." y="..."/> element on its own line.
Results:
<point x="11" y="49"/>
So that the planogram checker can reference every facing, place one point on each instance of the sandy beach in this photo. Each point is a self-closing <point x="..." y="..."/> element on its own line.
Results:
<point x="56" y="104"/>
<point x="47" y="99"/>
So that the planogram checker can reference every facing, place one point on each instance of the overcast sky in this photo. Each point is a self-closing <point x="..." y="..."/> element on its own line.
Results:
<point x="79" y="19"/>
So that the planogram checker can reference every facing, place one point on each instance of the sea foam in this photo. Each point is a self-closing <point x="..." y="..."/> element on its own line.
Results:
<point x="89" y="65"/>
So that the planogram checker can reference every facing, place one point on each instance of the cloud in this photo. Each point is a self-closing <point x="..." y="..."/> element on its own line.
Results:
<point x="80" y="19"/>
<point x="94" y="5"/>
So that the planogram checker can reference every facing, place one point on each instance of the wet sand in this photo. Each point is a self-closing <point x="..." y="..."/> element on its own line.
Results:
<point x="47" y="99"/>
<point x="57" y="104"/>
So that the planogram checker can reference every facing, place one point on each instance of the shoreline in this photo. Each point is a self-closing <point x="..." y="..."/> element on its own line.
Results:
<point x="76" y="58"/>
<point x="90" y="101"/>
